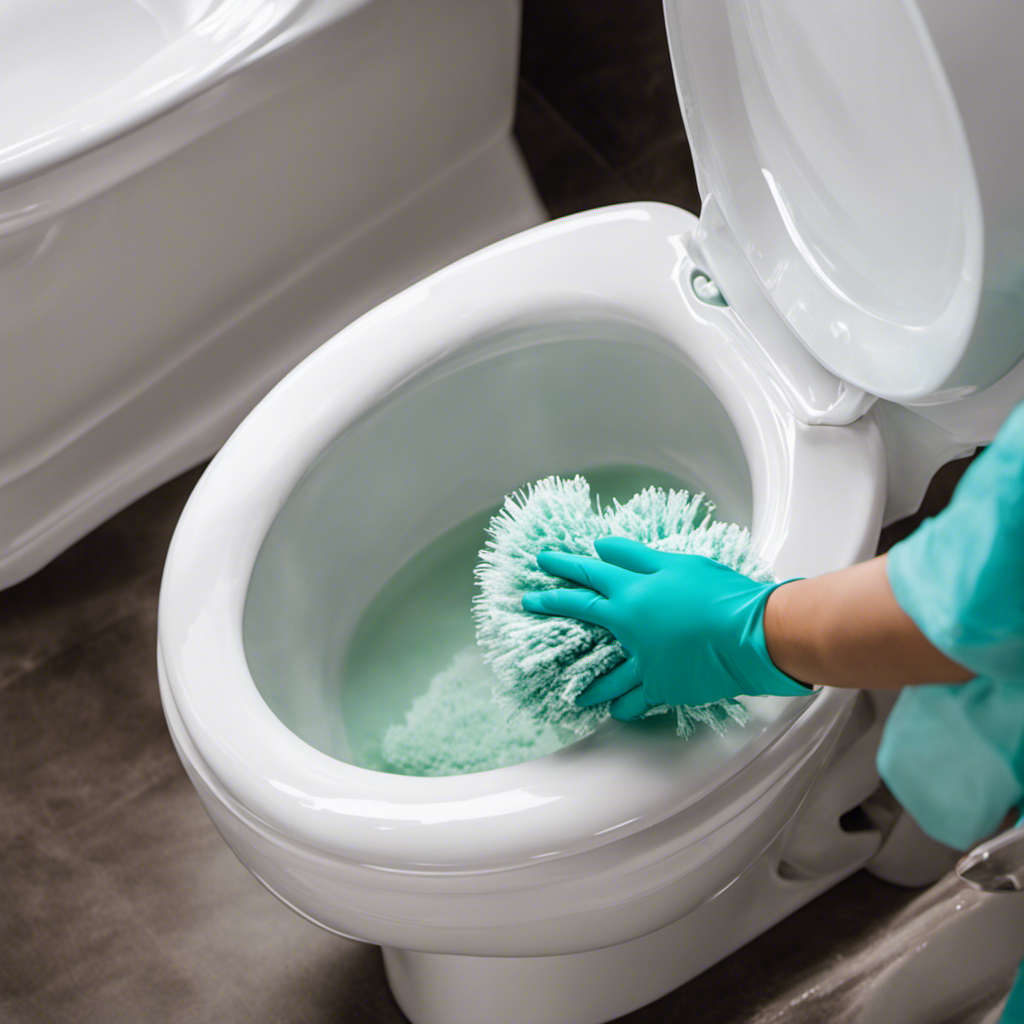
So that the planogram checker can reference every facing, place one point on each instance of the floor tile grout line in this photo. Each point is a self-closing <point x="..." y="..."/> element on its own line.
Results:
<point x="119" y="801"/>
<point x="81" y="639"/>
<point x="568" y="127"/>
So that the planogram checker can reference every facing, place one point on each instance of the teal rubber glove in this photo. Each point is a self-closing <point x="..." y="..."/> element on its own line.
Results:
<point x="693" y="628"/>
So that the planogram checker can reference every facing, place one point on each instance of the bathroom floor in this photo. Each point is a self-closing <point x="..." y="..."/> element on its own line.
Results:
<point x="120" y="903"/>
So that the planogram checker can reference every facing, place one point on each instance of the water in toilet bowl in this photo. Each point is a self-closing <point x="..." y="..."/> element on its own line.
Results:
<point x="362" y="590"/>
<point x="457" y="727"/>
<point x="418" y="696"/>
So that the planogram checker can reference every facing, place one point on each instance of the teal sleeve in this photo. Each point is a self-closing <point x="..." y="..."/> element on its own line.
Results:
<point x="950" y="754"/>
<point x="954" y="754"/>
<point x="960" y="576"/>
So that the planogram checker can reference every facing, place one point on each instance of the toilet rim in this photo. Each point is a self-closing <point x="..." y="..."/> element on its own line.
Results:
<point x="502" y="816"/>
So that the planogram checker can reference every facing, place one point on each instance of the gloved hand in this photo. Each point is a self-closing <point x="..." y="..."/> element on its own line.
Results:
<point x="693" y="627"/>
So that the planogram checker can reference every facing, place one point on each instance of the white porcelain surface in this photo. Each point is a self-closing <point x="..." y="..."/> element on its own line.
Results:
<point x="816" y="224"/>
<point x="77" y="75"/>
<point x="514" y="861"/>
<point x="866" y="160"/>
<point x="603" y="984"/>
<point x="810" y="855"/>
<point x="155" y="283"/>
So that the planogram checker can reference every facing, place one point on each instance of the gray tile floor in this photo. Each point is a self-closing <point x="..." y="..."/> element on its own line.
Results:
<point x="121" y="902"/>
<point x="118" y="900"/>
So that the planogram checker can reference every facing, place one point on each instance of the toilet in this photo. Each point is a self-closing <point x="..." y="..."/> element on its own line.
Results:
<point x="194" y="194"/>
<point x="841" y="320"/>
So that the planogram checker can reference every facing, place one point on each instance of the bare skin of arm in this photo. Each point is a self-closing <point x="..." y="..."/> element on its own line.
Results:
<point x="846" y="629"/>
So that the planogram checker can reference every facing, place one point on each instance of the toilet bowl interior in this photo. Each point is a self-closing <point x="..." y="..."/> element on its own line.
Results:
<point x="361" y="591"/>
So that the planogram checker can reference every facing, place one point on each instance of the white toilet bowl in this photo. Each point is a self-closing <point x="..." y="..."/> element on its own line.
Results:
<point x="194" y="194"/>
<point x="418" y="417"/>
<point x="577" y="886"/>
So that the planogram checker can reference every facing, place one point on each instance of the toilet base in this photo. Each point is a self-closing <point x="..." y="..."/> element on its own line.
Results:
<point x="948" y="957"/>
<point x="597" y="986"/>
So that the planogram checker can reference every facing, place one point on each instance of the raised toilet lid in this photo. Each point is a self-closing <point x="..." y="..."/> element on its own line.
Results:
<point x="861" y="163"/>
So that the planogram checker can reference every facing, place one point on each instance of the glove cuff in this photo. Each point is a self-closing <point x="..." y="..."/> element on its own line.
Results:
<point x="771" y="680"/>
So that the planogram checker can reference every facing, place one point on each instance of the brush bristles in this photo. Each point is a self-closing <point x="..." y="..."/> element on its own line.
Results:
<point x="542" y="663"/>
<point x="455" y="727"/>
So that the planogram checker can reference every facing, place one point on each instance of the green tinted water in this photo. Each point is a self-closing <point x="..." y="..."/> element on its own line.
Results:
<point x="422" y="618"/>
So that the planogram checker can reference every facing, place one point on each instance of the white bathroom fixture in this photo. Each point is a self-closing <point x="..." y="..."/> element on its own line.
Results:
<point x="194" y="194"/>
<point x="813" y="403"/>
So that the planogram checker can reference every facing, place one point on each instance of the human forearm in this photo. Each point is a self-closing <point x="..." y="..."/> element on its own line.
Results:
<point x="846" y="629"/>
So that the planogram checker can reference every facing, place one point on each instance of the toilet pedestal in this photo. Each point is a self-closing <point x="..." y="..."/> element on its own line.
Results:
<point x="587" y="988"/>
<point x="961" y="971"/>
<point x="815" y="851"/>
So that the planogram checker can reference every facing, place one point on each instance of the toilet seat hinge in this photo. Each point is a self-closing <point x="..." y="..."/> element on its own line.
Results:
<point x="721" y="268"/>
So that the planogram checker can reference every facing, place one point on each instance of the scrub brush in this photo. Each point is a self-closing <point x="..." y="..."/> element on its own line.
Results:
<point x="542" y="662"/>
